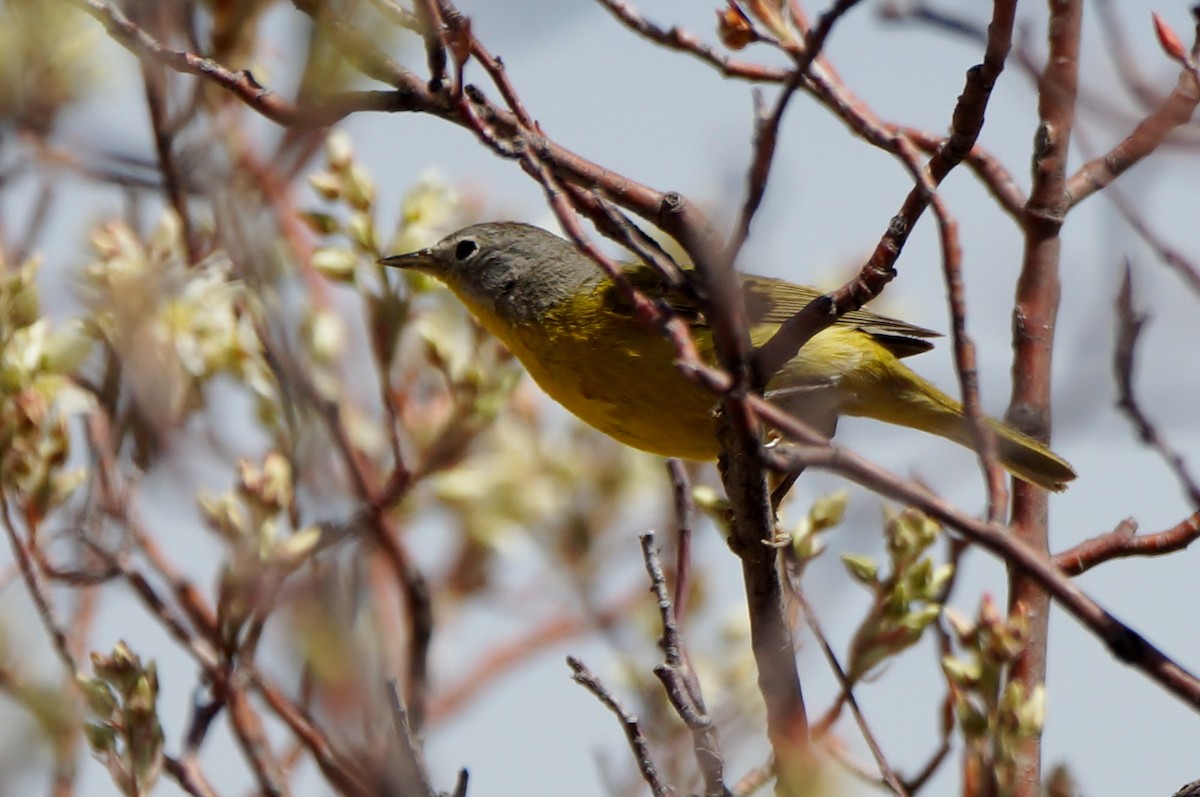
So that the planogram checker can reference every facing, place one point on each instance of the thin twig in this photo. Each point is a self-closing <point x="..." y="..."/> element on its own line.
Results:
<point x="430" y="24"/>
<point x="154" y="80"/>
<point x="677" y="677"/>
<point x="676" y="38"/>
<point x="685" y="512"/>
<point x="633" y="729"/>
<point x="188" y="776"/>
<point x="1187" y="268"/>
<point x="330" y="109"/>
<point x="411" y="761"/>
<point x="1129" y="328"/>
<point x="38" y="591"/>
<point x="847" y="690"/>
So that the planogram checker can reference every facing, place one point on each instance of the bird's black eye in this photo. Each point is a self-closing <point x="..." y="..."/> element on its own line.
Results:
<point x="464" y="249"/>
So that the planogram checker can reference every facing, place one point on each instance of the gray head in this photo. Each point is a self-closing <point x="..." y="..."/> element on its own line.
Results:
<point x="516" y="269"/>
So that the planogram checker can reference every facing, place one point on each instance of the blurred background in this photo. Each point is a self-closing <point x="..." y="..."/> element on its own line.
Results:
<point x="527" y="533"/>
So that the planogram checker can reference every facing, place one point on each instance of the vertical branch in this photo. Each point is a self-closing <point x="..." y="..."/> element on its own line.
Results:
<point x="1034" y="317"/>
<point x="685" y="510"/>
<point x="156" y="87"/>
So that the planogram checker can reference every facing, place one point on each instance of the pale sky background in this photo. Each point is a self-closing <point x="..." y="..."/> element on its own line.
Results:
<point x="673" y="123"/>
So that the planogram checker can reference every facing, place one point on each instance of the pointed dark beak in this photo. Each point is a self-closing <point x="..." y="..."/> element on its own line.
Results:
<point x="422" y="260"/>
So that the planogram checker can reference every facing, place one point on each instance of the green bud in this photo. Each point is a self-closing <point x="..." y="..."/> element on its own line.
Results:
<point x="276" y="488"/>
<point x="962" y="627"/>
<point x="99" y="696"/>
<point x="335" y="263"/>
<point x="862" y="568"/>
<point x="964" y="672"/>
<point x="339" y="152"/>
<point x="829" y="510"/>
<point x="971" y="719"/>
<point x="359" y="190"/>
<point x="361" y="230"/>
<point x="101" y="738"/>
<point x="296" y="548"/>
<point x="329" y="186"/>
<point x="224" y="515"/>
<point x="920" y="619"/>
<point x="320" y="223"/>
<point x="22" y="305"/>
<point x="1031" y="715"/>
<point x="66" y="348"/>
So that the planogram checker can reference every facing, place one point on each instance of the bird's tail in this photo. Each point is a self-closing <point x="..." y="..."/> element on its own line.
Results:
<point x="909" y="400"/>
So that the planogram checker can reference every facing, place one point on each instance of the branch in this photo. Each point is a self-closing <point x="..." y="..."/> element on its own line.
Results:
<point x="683" y="41"/>
<point x="38" y="592"/>
<point x="847" y="691"/>
<point x="1123" y="542"/>
<point x="1187" y="269"/>
<point x="967" y="121"/>
<point x="685" y="511"/>
<point x="1034" y="315"/>
<point x="410" y="764"/>
<point x="633" y="730"/>
<point x="1176" y="110"/>
<point x="1125" y="644"/>
<point x="682" y="687"/>
<point x="1129" y="329"/>
<point x="766" y="131"/>
<point x="996" y="179"/>
<point x="332" y="108"/>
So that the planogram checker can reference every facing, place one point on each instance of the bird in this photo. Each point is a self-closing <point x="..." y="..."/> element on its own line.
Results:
<point x="578" y="337"/>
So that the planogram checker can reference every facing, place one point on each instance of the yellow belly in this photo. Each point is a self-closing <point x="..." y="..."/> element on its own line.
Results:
<point x="618" y="375"/>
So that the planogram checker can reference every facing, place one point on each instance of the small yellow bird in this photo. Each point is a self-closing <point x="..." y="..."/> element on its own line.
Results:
<point x="568" y="325"/>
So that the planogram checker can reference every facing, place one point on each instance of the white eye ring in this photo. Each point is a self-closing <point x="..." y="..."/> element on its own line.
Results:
<point x="465" y="249"/>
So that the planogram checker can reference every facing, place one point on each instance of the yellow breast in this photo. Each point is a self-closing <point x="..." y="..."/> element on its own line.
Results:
<point x="617" y="374"/>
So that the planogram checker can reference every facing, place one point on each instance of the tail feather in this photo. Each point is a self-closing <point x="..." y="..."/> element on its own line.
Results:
<point x="1027" y="459"/>
<point x="911" y="401"/>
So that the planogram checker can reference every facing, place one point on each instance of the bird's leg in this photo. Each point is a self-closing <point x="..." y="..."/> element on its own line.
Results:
<point x="782" y="487"/>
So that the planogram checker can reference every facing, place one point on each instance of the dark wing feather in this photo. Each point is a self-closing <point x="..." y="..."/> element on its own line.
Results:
<point x="773" y="301"/>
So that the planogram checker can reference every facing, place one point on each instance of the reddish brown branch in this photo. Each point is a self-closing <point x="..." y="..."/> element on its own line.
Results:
<point x="1123" y="541"/>
<point x="766" y="135"/>
<point x="154" y="79"/>
<point x="1034" y="316"/>
<point x="684" y="41"/>
<point x="965" y="364"/>
<point x="996" y="179"/>
<point x="429" y="24"/>
<point x="1176" y="110"/>
<point x="35" y="585"/>
<point x="188" y="776"/>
